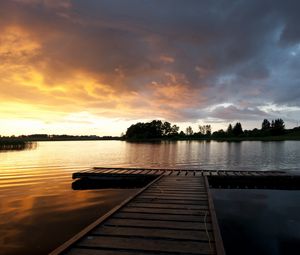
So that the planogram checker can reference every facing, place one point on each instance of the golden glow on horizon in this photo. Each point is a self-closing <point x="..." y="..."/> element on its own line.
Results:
<point x="33" y="102"/>
<point x="39" y="95"/>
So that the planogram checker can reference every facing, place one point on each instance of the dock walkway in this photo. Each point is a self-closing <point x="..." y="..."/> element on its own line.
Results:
<point x="171" y="215"/>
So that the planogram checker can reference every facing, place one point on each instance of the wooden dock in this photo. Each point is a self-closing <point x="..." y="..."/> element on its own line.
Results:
<point x="101" y="172"/>
<point x="173" y="214"/>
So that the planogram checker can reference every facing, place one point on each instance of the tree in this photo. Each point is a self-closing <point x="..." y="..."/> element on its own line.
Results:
<point x="166" y="128"/>
<point x="205" y="130"/>
<point x="277" y="127"/>
<point x="219" y="134"/>
<point x="229" y="130"/>
<point x="174" y="130"/>
<point x="201" y="129"/>
<point x="265" y="125"/>
<point x="189" y="131"/>
<point x="208" y="130"/>
<point x="150" y="130"/>
<point x="237" y="129"/>
<point x="182" y="134"/>
<point x="147" y="130"/>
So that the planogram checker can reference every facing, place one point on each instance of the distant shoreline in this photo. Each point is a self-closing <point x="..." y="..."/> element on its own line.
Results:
<point x="224" y="139"/>
<point x="21" y="142"/>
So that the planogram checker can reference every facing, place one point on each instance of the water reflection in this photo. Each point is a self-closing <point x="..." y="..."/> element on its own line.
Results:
<point x="36" y="197"/>
<point x="6" y="146"/>
<point x="32" y="213"/>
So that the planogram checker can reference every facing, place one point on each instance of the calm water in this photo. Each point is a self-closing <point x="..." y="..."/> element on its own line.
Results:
<point x="259" y="222"/>
<point x="37" y="202"/>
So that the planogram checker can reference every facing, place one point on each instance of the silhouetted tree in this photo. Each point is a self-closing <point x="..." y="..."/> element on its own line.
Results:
<point x="237" y="129"/>
<point x="208" y="130"/>
<point x="219" y="134"/>
<point x="182" y="134"/>
<point x="189" y="131"/>
<point x="149" y="130"/>
<point x="166" y="128"/>
<point x="277" y="127"/>
<point x="201" y="129"/>
<point x="205" y="130"/>
<point x="174" y="130"/>
<point x="229" y="130"/>
<point x="265" y="125"/>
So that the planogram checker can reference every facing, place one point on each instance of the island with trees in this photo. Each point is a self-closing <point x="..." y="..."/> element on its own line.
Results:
<point x="159" y="130"/>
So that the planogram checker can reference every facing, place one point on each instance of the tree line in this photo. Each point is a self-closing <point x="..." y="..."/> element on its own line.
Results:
<point x="159" y="129"/>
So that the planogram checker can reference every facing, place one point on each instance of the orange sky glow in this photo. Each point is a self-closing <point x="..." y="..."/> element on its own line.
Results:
<point x="67" y="70"/>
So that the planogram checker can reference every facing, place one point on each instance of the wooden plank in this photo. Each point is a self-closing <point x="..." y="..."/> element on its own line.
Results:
<point x="183" y="198"/>
<point x="174" y="195"/>
<point x="166" y="217"/>
<point x="182" y="184"/>
<point x="199" y="173"/>
<point x="187" y="180"/>
<point x="147" y="244"/>
<point x="188" y="191"/>
<point x="194" y="235"/>
<point x="162" y="210"/>
<point x="179" y="185"/>
<point x="171" y="201"/>
<point x="166" y="193"/>
<point x="153" y="172"/>
<point x="171" y="206"/>
<point x="158" y="224"/>
<point x="103" y="251"/>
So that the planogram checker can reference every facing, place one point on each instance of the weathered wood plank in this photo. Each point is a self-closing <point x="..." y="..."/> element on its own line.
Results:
<point x="103" y="251"/>
<point x="147" y="244"/>
<point x="158" y="224"/>
<point x="168" y="206"/>
<point x="171" y="201"/>
<point x="195" y="235"/>
<point x="167" y="217"/>
<point x="172" y="196"/>
<point x="180" y="186"/>
<point x="182" y="198"/>
<point x="167" y="211"/>
<point x="175" y="194"/>
<point x="179" y="191"/>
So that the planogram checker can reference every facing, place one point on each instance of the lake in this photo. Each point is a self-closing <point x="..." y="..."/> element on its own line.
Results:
<point x="39" y="210"/>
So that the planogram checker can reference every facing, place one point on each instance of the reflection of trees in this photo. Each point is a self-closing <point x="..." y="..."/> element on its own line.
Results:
<point x="17" y="145"/>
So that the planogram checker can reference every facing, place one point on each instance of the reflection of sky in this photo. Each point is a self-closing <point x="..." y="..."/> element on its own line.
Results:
<point x="258" y="221"/>
<point x="35" y="185"/>
<point x="39" y="213"/>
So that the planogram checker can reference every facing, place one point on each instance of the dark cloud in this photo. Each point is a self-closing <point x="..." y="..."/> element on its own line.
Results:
<point x="240" y="52"/>
<point x="234" y="113"/>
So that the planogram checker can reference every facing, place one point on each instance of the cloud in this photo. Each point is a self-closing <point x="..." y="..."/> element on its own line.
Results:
<point x="137" y="59"/>
<point x="233" y="113"/>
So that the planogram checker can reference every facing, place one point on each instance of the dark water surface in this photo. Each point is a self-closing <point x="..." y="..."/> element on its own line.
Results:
<point x="39" y="210"/>
<point x="259" y="222"/>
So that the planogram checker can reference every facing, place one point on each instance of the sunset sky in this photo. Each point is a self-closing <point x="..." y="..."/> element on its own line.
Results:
<point x="98" y="66"/>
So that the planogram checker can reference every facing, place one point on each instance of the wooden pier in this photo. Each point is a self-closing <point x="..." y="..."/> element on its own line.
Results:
<point x="173" y="214"/>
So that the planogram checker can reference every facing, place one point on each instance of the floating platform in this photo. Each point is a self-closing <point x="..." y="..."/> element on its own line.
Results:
<point x="173" y="214"/>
